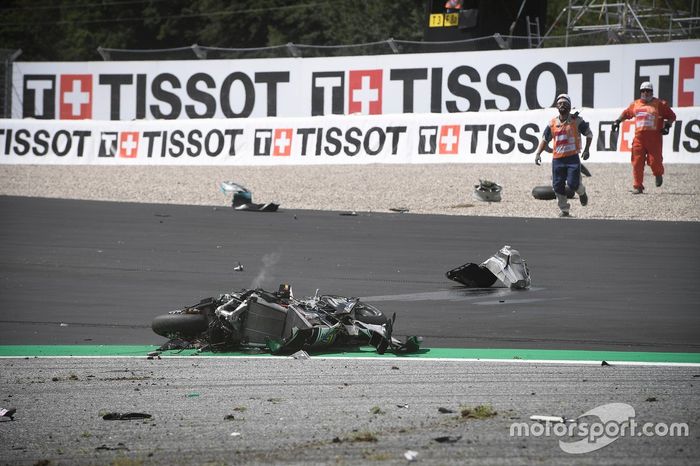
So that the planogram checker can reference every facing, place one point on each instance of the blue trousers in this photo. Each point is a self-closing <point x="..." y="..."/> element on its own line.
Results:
<point x="566" y="170"/>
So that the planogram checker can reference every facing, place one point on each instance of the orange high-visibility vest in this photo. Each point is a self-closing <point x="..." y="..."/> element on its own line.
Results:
<point x="565" y="137"/>
<point x="648" y="116"/>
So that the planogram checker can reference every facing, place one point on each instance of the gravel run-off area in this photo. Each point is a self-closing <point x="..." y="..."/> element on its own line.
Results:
<point x="445" y="189"/>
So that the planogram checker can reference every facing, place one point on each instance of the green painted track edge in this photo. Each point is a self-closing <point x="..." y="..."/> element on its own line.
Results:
<point x="364" y="352"/>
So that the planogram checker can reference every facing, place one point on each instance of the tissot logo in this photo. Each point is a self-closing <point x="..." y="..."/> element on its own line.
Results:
<point x="626" y="136"/>
<point x="262" y="142"/>
<point x="440" y="139"/>
<point x="128" y="144"/>
<point x="39" y="97"/>
<point x="283" y="141"/>
<point x="365" y="92"/>
<point x="689" y="82"/>
<point x="76" y="97"/>
<point x="327" y="93"/>
<point x="659" y="73"/>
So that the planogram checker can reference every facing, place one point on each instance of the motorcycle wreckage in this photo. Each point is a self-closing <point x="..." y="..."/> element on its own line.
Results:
<point x="279" y="323"/>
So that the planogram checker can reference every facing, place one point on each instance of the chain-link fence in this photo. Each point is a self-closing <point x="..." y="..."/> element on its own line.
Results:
<point x="7" y="56"/>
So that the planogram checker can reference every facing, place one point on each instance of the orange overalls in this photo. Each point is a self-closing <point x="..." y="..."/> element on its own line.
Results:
<point x="647" y="145"/>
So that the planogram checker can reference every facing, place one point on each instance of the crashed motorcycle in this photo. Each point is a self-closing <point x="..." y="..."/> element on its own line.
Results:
<point x="279" y="323"/>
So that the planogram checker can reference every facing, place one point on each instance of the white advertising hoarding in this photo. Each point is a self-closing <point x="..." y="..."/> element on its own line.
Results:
<point x="456" y="82"/>
<point x="472" y="137"/>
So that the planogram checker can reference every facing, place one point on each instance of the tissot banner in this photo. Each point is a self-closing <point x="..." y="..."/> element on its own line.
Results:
<point x="473" y="137"/>
<point x="455" y="82"/>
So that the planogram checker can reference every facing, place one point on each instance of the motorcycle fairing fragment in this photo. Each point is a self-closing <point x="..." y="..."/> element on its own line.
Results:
<point x="506" y="266"/>
<point x="242" y="198"/>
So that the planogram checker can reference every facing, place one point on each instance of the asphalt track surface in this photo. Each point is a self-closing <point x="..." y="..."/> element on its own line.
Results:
<point x="88" y="274"/>
<point x="104" y="270"/>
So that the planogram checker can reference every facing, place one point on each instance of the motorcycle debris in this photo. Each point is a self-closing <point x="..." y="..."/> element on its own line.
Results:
<point x="448" y="439"/>
<point x="301" y="354"/>
<point x="238" y="268"/>
<point x="444" y="410"/>
<point x="401" y="210"/>
<point x="546" y="419"/>
<point x="120" y="446"/>
<point x="349" y="214"/>
<point x="8" y="413"/>
<point x="125" y="416"/>
<point x="410" y="455"/>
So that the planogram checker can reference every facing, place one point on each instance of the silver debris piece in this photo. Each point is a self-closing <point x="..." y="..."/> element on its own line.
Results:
<point x="487" y="191"/>
<point x="506" y="266"/>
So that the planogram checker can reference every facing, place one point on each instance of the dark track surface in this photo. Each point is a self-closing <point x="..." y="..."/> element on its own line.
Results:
<point x="106" y="269"/>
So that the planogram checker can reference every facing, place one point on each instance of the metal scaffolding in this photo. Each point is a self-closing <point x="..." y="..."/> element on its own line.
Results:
<point x="631" y="21"/>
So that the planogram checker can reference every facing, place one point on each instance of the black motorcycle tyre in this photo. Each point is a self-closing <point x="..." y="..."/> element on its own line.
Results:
<point x="368" y="314"/>
<point x="180" y="325"/>
<point x="546" y="193"/>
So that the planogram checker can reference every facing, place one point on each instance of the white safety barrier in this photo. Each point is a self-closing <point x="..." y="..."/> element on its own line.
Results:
<point x="472" y="137"/>
<point x="513" y="80"/>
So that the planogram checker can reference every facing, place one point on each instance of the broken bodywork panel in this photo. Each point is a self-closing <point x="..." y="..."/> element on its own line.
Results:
<point x="279" y="323"/>
<point x="506" y="267"/>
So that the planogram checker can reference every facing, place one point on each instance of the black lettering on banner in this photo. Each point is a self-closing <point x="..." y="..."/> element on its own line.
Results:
<point x="319" y="135"/>
<point x="661" y="70"/>
<point x="498" y="88"/>
<point x="507" y="138"/>
<point x="320" y="81"/>
<point x="607" y="138"/>
<point x="249" y="99"/>
<point x="41" y="142"/>
<point x="272" y="79"/>
<point x="164" y="145"/>
<point x="561" y="85"/>
<point x="352" y="137"/>
<point x="165" y="96"/>
<point x="108" y="144"/>
<point x="115" y="82"/>
<point x="195" y="140"/>
<point x="233" y="133"/>
<point x="262" y="142"/>
<point x="527" y="136"/>
<point x="305" y="133"/>
<point x="81" y="135"/>
<point x="436" y="90"/>
<point x="176" y="142"/>
<point x="587" y="70"/>
<point x="460" y="90"/>
<point x="21" y="142"/>
<point x="332" y="135"/>
<point x="677" y="127"/>
<point x="693" y="135"/>
<point x="368" y="140"/>
<point x="475" y="135"/>
<point x="56" y="143"/>
<point x="150" y="137"/>
<point x="140" y="96"/>
<point x="8" y="140"/>
<point x="39" y="96"/>
<point x="408" y="76"/>
<point x="200" y="96"/>
<point x="395" y="132"/>
<point x="489" y="147"/>
<point x="219" y="143"/>
<point x="427" y="139"/>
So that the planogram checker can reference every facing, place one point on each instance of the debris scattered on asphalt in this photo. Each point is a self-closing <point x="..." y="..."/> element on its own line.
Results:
<point x="448" y="439"/>
<point x="605" y="363"/>
<point x="242" y="198"/>
<point x="506" y="267"/>
<point x="301" y="354"/>
<point x="401" y="210"/>
<point x="120" y="446"/>
<point x="410" y="455"/>
<point x="238" y="268"/>
<point x="192" y="395"/>
<point x="545" y="419"/>
<point x="349" y="214"/>
<point x="445" y="410"/>
<point x="235" y="434"/>
<point x="651" y="398"/>
<point x="402" y="406"/>
<point x="7" y="414"/>
<point x="63" y="324"/>
<point x="229" y="417"/>
<point x="487" y="191"/>
<point x="125" y="416"/>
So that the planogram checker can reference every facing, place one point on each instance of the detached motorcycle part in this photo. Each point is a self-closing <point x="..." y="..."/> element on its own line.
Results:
<point x="180" y="325"/>
<point x="546" y="193"/>
<point x="368" y="314"/>
<point x="472" y="275"/>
